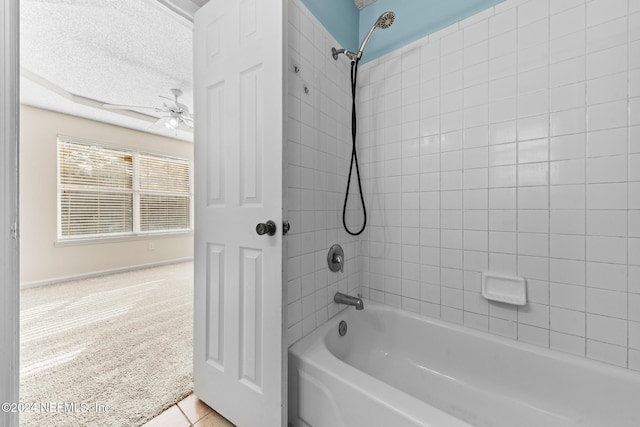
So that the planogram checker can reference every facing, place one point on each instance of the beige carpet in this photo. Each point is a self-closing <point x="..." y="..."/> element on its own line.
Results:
<point x="122" y="341"/>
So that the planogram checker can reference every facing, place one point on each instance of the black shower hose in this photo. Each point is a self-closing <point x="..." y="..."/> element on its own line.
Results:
<point x="354" y="155"/>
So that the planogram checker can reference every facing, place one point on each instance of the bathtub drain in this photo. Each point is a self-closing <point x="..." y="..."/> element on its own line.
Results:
<point x="342" y="328"/>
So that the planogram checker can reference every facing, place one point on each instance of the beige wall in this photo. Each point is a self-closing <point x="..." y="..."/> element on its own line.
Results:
<point x="41" y="259"/>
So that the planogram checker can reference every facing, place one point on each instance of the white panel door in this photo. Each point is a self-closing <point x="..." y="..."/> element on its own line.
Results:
<point x="238" y="338"/>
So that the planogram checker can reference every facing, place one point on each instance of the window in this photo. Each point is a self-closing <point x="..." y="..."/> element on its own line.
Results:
<point x="106" y="192"/>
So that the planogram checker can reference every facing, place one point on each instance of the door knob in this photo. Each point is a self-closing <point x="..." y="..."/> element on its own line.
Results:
<point x="268" y="227"/>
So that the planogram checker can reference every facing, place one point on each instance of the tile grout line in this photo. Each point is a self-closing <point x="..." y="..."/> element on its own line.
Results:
<point x="183" y="414"/>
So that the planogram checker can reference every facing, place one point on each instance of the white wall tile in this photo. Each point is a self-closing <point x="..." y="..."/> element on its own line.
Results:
<point x="607" y="276"/>
<point x="599" y="11"/>
<point x="634" y="335"/>
<point x="567" y="246"/>
<point x="533" y="335"/>
<point x="557" y="7"/>
<point x="607" y="88"/>
<point x="567" y="97"/>
<point x="312" y="202"/>
<point x="568" y="122"/>
<point x="608" y="142"/>
<point x="567" y="197"/>
<point x="532" y="11"/>
<point x="607" y="329"/>
<point x="568" y="21"/>
<point x="533" y="174"/>
<point x="634" y="360"/>
<point x="608" y="115"/>
<point x="607" y="249"/>
<point x="567" y="296"/>
<point x="607" y="196"/>
<point x="567" y="71"/>
<point x="608" y="353"/>
<point x="533" y="34"/>
<point x="607" y="61"/>
<point x="567" y="271"/>
<point x="533" y="81"/>
<point x="567" y="222"/>
<point x="533" y="151"/>
<point x="534" y="315"/>
<point x="535" y="244"/>
<point x="606" y="35"/>
<point x="568" y="321"/>
<point x="567" y="343"/>
<point x="568" y="47"/>
<point x="502" y="44"/>
<point x="607" y="223"/>
<point x="533" y="197"/>
<point x="567" y="172"/>
<point x="634" y="307"/>
<point x="607" y="303"/>
<point x="502" y="22"/>
<point x="533" y="221"/>
<point x="634" y="195"/>
<point x="509" y="143"/>
<point x="567" y="147"/>
<point x="607" y="169"/>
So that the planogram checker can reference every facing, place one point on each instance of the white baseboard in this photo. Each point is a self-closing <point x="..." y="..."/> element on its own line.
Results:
<point x="39" y="283"/>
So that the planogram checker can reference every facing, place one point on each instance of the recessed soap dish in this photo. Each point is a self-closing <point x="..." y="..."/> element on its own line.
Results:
<point x="505" y="289"/>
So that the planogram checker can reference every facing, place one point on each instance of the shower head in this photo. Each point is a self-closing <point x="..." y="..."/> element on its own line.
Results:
<point x="384" y="21"/>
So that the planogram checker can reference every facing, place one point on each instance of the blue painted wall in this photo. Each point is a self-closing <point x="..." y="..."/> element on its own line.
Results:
<point x="414" y="20"/>
<point x="339" y="17"/>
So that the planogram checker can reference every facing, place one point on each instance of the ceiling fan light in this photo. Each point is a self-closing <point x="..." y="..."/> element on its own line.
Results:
<point x="172" y="123"/>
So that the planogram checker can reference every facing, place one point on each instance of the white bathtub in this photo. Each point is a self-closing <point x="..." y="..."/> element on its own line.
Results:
<point x="398" y="369"/>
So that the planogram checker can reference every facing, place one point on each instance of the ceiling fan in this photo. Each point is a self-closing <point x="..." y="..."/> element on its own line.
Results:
<point x="178" y="116"/>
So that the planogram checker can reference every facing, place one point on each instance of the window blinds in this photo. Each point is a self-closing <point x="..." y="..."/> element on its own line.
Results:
<point x="165" y="186"/>
<point x="107" y="192"/>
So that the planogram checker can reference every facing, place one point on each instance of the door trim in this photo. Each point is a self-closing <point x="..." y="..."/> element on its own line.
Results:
<point x="9" y="249"/>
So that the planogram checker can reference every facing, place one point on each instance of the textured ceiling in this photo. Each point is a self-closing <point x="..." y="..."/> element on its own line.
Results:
<point x="361" y="4"/>
<point x="76" y="52"/>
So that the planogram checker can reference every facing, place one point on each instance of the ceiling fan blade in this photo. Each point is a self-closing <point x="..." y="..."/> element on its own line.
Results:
<point x="127" y="107"/>
<point x="173" y="101"/>
<point x="167" y="108"/>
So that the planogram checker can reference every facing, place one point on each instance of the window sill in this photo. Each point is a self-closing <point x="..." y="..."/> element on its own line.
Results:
<point x="120" y="239"/>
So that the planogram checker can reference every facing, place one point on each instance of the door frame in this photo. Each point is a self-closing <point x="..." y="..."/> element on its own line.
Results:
<point x="9" y="249"/>
<point x="9" y="213"/>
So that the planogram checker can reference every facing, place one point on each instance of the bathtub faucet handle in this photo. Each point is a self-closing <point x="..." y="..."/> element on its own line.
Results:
<point x="335" y="258"/>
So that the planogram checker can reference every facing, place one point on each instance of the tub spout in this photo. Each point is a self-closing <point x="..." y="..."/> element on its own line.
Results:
<point x="341" y="298"/>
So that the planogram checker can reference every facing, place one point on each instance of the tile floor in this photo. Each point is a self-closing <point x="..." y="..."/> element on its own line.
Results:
<point x="189" y="412"/>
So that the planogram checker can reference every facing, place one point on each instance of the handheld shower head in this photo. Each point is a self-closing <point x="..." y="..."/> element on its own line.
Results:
<point x="384" y="21"/>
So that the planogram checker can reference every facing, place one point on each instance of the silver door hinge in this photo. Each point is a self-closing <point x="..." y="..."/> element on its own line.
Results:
<point x="14" y="231"/>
